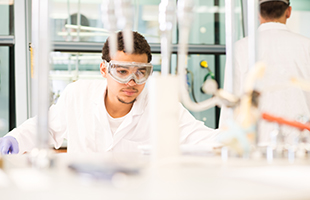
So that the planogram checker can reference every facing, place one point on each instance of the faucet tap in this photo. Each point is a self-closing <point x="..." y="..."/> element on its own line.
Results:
<point x="166" y="23"/>
<point x="124" y="22"/>
<point x="109" y="21"/>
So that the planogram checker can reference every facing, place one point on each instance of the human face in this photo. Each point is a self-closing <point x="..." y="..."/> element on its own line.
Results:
<point x="120" y="92"/>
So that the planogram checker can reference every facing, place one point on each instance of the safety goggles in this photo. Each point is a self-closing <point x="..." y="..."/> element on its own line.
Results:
<point x="123" y="72"/>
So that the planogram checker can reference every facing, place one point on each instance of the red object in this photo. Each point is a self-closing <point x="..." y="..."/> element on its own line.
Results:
<point x="281" y="120"/>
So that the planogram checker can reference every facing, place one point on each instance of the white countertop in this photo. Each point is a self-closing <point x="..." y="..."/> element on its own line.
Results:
<point x="187" y="177"/>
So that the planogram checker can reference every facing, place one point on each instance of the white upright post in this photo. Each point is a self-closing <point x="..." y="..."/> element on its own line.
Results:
<point x="164" y="93"/>
<point x="164" y="99"/>
<point x="40" y="81"/>
<point x="252" y="30"/>
<point x="230" y="39"/>
<point x="22" y="91"/>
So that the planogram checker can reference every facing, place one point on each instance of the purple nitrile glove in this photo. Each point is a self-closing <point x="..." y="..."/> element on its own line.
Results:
<point x="8" y="144"/>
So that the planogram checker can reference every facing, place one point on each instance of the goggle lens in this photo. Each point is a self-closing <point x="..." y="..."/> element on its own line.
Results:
<point x="123" y="72"/>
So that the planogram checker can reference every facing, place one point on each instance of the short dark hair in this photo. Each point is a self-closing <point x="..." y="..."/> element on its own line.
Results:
<point x="141" y="46"/>
<point x="273" y="9"/>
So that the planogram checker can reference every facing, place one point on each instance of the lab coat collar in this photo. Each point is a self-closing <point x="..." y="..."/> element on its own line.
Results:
<point x="272" y="26"/>
<point x="137" y="108"/>
<point x="101" y="114"/>
<point x="101" y="123"/>
<point x="140" y="104"/>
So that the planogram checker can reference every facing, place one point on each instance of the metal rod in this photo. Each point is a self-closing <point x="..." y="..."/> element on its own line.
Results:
<point x="155" y="48"/>
<point x="68" y="21"/>
<point x="109" y="22"/>
<point x="166" y="23"/>
<point x="41" y="47"/>
<point x="78" y="21"/>
<point x="124" y="14"/>
<point x="252" y="30"/>
<point x="230" y="36"/>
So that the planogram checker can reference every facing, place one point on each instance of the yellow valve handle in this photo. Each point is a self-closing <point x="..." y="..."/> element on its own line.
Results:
<point x="204" y="64"/>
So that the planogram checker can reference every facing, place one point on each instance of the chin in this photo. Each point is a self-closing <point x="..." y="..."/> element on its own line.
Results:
<point x="129" y="101"/>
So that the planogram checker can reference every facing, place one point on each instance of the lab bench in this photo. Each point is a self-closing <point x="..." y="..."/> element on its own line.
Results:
<point x="185" y="177"/>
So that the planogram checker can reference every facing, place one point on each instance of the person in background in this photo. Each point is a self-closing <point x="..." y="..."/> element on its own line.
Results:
<point x="285" y="54"/>
<point x="108" y="115"/>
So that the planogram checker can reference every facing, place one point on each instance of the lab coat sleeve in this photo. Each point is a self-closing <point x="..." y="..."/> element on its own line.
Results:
<point x="25" y="134"/>
<point x="193" y="131"/>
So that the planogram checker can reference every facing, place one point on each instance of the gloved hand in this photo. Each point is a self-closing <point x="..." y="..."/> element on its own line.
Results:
<point x="8" y="144"/>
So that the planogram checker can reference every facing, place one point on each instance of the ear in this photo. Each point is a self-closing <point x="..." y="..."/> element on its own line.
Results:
<point x="103" y="70"/>
<point x="288" y="12"/>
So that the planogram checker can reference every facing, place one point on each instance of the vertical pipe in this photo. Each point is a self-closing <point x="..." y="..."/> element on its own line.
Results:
<point x="136" y="15"/>
<point x="12" y="97"/>
<point x="253" y="44"/>
<point x="217" y="56"/>
<point x="78" y="21"/>
<point x="76" y="72"/>
<point x="124" y="14"/>
<point x="21" y="61"/>
<point x="41" y="48"/>
<point x="35" y="49"/>
<point x="230" y="37"/>
<point x="252" y="31"/>
<point x="244" y="14"/>
<point x="109" y="22"/>
<point x="164" y="94"/>
<point x="244" y="7"/>
<point x="68" y="22"/>
<point x="166" y="23"/>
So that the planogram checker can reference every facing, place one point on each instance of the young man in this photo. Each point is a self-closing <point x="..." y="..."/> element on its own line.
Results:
<point x="107" y="115"/>
<point x="285" y="55"/>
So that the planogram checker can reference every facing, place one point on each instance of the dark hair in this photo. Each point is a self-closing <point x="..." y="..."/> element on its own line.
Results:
<point x="273" y="9"/>
<point x="140" y="46"/>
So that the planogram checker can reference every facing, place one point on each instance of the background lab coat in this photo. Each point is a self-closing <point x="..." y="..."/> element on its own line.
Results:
<point x="80" y="116"/>
<point x="286" y="55"/>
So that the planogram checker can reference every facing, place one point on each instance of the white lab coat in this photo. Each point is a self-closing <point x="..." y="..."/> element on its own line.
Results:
<point x="285" y="55"/>
<point x="80" y="116"/>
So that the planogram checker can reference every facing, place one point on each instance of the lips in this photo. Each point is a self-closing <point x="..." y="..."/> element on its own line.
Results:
<point x="129" y="92"/>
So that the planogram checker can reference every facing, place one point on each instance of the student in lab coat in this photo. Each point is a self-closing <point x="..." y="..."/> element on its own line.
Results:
<point x="107" y="115"/>
<point x="285" y="54"/>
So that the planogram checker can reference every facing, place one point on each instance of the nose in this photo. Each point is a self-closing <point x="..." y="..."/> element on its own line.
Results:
<point x="131" y="83"/>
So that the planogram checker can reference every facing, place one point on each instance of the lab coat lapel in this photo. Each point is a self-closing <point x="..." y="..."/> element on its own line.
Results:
<point x="122" y="130"/>
<point x="137" y="109"/>
<point x="102" y="130"/>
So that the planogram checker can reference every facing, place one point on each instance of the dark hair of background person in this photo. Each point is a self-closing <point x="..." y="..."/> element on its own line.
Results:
<point x="74" y="18"/>
<point x="273" y="9"/>
<point x="141" y="46"/>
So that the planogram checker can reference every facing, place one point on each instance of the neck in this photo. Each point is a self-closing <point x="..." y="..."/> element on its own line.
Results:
<point x="115" y="108"/>
<point x="280" y="20"/>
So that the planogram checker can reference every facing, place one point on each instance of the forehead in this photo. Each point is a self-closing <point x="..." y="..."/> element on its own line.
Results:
<point x="122" y="56"/>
